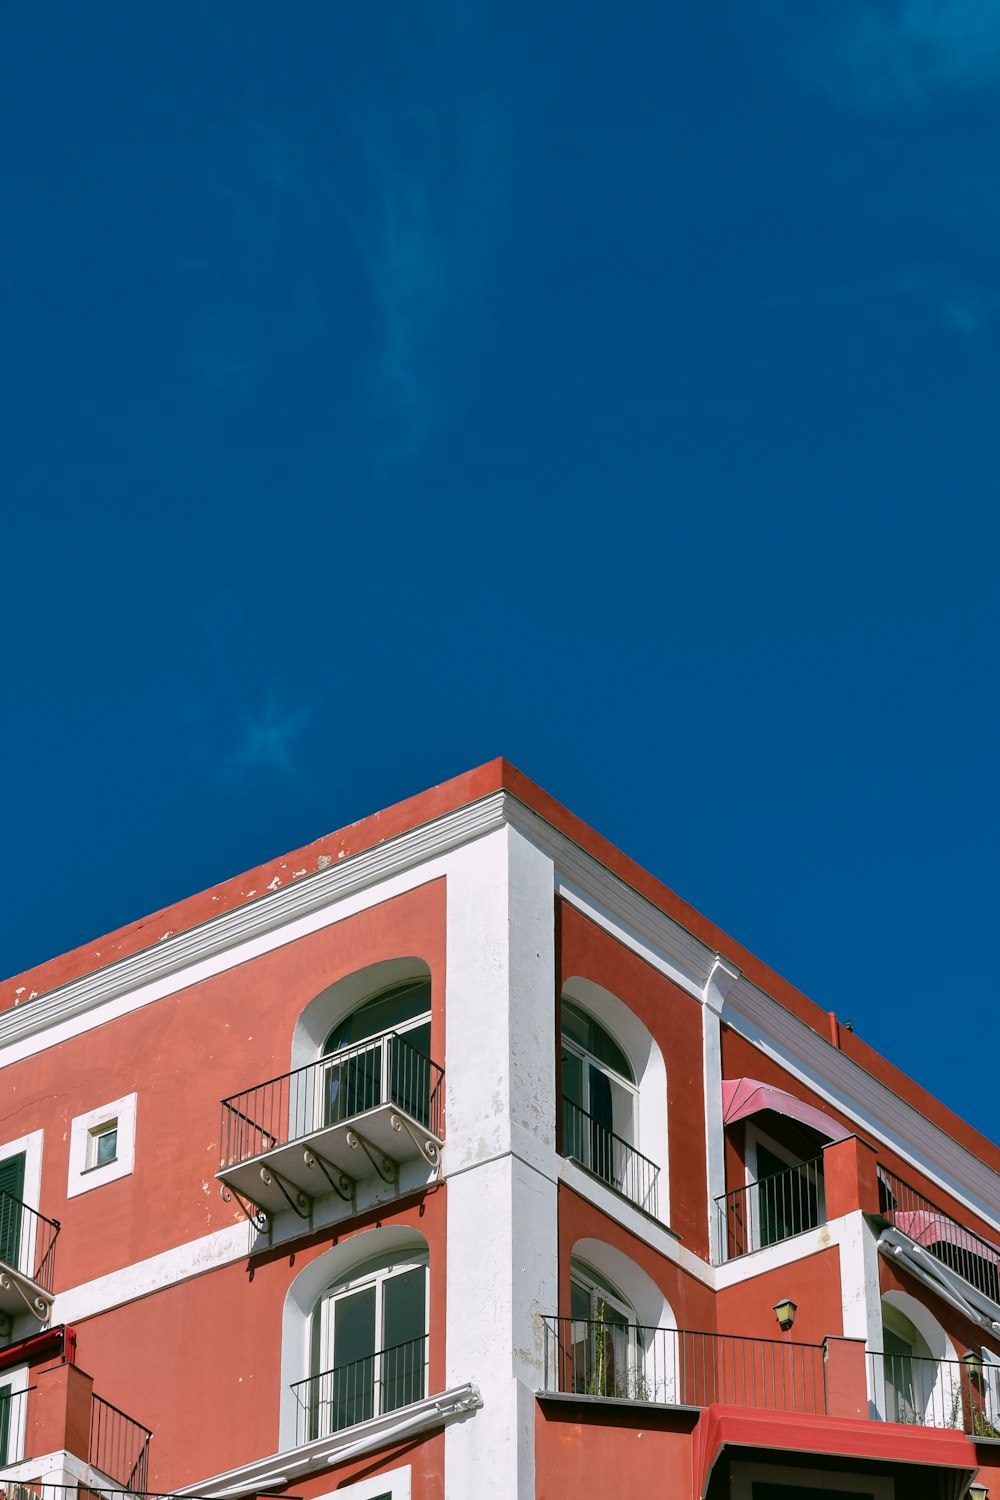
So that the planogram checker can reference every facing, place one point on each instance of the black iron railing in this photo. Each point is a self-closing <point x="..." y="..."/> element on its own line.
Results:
<point x="610" y="1157"/>
<point x="369" y="1387"/>
<point x="963" y="1251"/>
<point x="119" y="1446"/>
<point x="386" y="1070"/>
<point x="27" y="1241"/>
<point x="944" y="1393"/>
<point x="772" y="1209"/>
<point x="678" y="1367"/>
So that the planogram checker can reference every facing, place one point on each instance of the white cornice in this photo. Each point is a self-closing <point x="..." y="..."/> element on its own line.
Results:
<point x="874" y="1108"/>
<point x="172" y="955"/>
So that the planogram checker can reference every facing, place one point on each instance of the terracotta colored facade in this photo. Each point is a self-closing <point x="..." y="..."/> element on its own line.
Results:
<point x="455" y="1154"/>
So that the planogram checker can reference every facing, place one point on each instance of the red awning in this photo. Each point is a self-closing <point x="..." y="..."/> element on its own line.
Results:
<point x="926" y="1228"/>
<point x="726" y="1427"/>
<point x="748" y="1096"/>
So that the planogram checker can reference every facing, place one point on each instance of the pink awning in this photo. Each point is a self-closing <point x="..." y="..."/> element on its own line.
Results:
<point x="748" y="1096"/>
<point x="926" y="1228"/>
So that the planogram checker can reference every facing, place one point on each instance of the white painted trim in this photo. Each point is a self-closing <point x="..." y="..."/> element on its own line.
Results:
<point x="717" y="986"/>
<point x="84" y="1178"/>
<point x="326" y="1453"/>
<point x="151" y="1275"/>
<point x="177" y="954"/>
<point x="621" y="1211"/>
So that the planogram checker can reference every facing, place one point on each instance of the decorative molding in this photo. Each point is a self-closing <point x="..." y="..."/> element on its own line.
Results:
<point x="265" y="914"/>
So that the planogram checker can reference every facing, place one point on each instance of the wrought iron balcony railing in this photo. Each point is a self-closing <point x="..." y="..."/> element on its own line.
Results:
<point x="323" y="1127"/>
<point x="942" y="1393"/>
<point x="610" y="1157"/>
<point x="119" y="1446"/>
<point x="677" y="1367"/>
<point x="971" y="1257"/>
<point x="771" y="1210"/>
<point x="27" y="1258"/>
<point x="365" y="1388"/>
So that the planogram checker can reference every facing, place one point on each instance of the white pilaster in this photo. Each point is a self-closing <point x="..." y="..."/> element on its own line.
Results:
<point x="500" y="1127"/>
<point x="720" y="981"/>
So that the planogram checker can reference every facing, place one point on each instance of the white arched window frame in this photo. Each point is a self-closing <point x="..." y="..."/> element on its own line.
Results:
<point x="308" y="1322"/>
<point x="918" y="1378"/>
<point x="646" y="1090"/>
<point x="639" y="1332"/>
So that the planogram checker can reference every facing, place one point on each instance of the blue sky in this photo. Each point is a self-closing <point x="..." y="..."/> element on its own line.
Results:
<point x="389" y="387"/>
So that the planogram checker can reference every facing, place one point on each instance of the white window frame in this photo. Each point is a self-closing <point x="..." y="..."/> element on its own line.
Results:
<point x="582" y="1277"/>
<point x="83" y="1177"/>
<point x="330" y="1060"/>
<point x="569" y="1044"/>
<point x="17" y="1379"/>
<point x="361" y="1278"/>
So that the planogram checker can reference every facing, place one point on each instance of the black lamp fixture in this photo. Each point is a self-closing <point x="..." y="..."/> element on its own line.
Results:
<point x="973" y="1362"/>
<point x="785" y="1312"/>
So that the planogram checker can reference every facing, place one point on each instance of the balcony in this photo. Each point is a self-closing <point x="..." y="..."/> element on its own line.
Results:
<point x="947" y="1394"/>
<point x="676" y="1367"/>
<point x="27" y="1261"/>
<point x="771" y="1210"/>
<point x="358" y="1113"/>
<point x="962" y="1252"/>
<point x="371" y="1387"/>
<point x="608" y="1156"/>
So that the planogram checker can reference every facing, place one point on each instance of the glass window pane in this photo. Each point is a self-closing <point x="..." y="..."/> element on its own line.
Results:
<point x="347" y="1394"/>
<point x="404" y="1318"/>
<point x="393" y="1008"/>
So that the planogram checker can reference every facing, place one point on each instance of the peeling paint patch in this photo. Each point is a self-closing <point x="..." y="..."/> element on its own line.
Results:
<point x="275" y="883"/>
<point x="323" y="860"/>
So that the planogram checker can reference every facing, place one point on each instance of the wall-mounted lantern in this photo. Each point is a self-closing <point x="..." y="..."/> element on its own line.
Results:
<point x="785" y="1313"/>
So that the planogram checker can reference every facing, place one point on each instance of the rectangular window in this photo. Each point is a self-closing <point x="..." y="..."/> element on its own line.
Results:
<point x="102" y="1144"/>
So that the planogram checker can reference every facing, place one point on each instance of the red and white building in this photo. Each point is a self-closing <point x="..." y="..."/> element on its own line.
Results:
<point x="454" y="1155"/>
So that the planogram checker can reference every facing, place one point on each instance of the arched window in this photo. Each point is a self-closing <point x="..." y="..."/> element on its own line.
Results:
<point x="380" y="1053"/>
<point x="599" y="1101"/>
<point x="367" y="1344"/>
<point x="922" y="1378"/>
<point x="606" y="1341"/>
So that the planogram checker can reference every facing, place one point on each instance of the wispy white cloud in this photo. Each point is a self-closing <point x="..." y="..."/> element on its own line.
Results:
<point x="878" y="56"/>
<point x="268" y="739"/>
<point x="361" y="241"/>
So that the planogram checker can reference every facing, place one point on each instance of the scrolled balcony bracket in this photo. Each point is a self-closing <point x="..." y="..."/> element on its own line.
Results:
<point x="383" y="1166"/>
<point x="428" y="1149"/>
<point x="296" y="1199"/>
<point x="337" y="1179"/>
<point x="258" y="1217"/>
<point x="38" y="1306"/>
